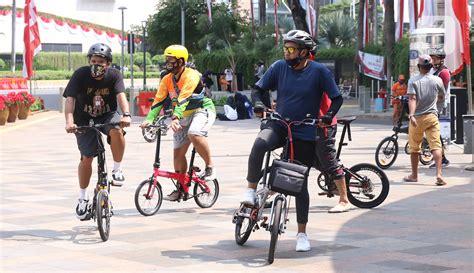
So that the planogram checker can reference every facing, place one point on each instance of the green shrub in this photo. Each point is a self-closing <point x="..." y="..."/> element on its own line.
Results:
<point x="158" y="59"/>
<point x="59" y="60"/>
<point x="3" y="65"/>
<point x="138" y="59"/>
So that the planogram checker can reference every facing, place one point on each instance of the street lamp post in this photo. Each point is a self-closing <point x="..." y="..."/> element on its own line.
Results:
<point x="13" y="60"/>
<point x="122" y="62"/>
<point x="182" y="3"/>
<point x="144" y="54"/>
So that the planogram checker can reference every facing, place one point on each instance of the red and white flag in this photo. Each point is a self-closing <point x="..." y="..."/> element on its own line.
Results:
<point x="457" y="34"/>
<point x="398" y="7"/>
<point x="426" y="16"/>
<point x="413" y="13"/>
<point x="209" y="10"/>
<point x="31" y="38"/>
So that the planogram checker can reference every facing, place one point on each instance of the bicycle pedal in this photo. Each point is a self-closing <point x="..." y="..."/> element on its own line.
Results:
<point x="323" y="193"/>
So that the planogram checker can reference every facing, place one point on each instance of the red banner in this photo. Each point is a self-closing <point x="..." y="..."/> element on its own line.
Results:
<point x="13" y="84"/>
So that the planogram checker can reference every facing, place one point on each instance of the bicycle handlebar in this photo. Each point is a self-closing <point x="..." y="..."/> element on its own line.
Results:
<point x="96" y="126"/>
<point x="161" y="119"/>
<point x="276" y="116"/>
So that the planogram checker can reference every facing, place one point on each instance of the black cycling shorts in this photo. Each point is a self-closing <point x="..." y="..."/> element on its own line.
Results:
<point x="325" y="159"/>
<point x="87" y="140"/>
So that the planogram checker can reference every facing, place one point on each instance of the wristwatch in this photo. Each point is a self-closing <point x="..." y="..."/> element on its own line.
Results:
<point x="127" y="114"/>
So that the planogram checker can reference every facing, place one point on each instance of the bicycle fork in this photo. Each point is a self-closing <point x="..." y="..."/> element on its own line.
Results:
<point x="284" y="212"/>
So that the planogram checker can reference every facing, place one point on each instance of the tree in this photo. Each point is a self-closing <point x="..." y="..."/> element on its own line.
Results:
<point x="389" y="30"/>
<point x="298" y="14"/>
<point x="360" y="33"/>
<point x="164" y="27"/>
<point x="262" y="15"/>
<point x="316" y="6"/>
<point x="227" y="28"/>
<point x="337" y="29"/>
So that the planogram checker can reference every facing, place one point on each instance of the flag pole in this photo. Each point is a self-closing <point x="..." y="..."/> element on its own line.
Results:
<point x="469" y="88"/>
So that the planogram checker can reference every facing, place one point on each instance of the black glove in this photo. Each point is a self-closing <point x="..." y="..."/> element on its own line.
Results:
<point x="327" y="118"/>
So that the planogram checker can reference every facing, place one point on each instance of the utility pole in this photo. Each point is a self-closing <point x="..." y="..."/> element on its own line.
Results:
<point x="182" y="3"/>
<point x="122" y="62"/>
<point x="144" y="54"/>
<point x="13" y="59"/>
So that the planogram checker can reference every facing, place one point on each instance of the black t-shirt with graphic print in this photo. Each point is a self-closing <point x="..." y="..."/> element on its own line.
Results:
<point x="93" y="97"/>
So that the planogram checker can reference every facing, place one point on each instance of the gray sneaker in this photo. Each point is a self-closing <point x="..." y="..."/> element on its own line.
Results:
<point x="173" y="196"/>
<point x="209" y="173"/>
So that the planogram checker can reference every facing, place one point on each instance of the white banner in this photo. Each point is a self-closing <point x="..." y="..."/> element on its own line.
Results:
<point x="372" y="65"/>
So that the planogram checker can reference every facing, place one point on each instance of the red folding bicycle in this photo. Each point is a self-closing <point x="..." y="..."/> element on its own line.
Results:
<point x="149" y="194"/>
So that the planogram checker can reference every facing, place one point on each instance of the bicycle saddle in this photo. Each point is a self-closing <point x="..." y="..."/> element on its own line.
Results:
<point x="346" y="120"/>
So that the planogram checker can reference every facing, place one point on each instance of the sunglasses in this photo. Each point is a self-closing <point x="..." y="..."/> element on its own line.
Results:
<point x="289" y="49"/>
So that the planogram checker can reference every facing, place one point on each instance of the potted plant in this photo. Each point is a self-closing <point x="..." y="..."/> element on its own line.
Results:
<point x="26" y="100"/>
<point x="4" y="111"/>
<point x="13" y="103"/>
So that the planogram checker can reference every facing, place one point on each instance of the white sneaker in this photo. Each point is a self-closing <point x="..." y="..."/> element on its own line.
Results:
<point x="302" y="243"/>
<point x="81" y="209"/>
<point x="340" y="208"/>
<point x="118" y="178"/>
<point x="249" y="197"/>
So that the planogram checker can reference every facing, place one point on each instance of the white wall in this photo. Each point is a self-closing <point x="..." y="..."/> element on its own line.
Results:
<point x="101" y="12"/>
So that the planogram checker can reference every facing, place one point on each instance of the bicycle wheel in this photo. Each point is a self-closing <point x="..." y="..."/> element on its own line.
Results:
<point x="150" y="134"/>
<point x="103" y="210"/>
<point x="275" y="229"/>
<point x="148" y="198"/>
<point x="426" y="157"/>
<point x="243" y="228"/>
<point x="322" y="179"/>
<point x="386" y="152"/>
<point x="367" y="185"/>
<point x="206" y="199"/>
<point x="407" y="148"/>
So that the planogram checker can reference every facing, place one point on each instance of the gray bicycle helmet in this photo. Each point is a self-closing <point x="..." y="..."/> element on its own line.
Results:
<point x="438" y="52"/>
<point x="101" y="50"/>
<point x="300" y="37"/>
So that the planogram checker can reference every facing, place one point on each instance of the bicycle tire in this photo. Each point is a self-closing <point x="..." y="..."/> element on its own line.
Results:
<point x="150" y="134"/>
<point x="242" y="235"/>
<point x="426" y="157"/>
<point x="103" y="211"/>
<point x="322" y="178"/>
<point x="363" y="193"/>
<point x="275" y="229"/>
<point x="200" y="196"/>
<point x="142" y="190"/>
<point x="389" y="148"/>
<point x="407" y="148"/>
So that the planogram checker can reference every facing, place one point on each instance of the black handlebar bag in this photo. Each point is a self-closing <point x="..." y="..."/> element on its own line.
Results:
<point x="288" y="177"/>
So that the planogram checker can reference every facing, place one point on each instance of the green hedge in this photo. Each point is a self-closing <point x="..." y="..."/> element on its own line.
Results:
<point x="66" y="75"/>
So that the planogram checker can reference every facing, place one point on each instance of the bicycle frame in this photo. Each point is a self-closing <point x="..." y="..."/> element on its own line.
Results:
<point x="184" y="179"/>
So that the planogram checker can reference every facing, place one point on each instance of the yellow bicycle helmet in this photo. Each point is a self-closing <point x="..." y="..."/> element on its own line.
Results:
<point x="177" y="51"/>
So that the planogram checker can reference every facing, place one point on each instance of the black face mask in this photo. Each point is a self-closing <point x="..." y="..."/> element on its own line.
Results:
<point x="97" y="70"/>
<point x="293" y="62"/>
<point x="173" y="67"/>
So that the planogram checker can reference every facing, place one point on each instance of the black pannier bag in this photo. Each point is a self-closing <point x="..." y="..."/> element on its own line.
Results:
<point x="287" y="178"/>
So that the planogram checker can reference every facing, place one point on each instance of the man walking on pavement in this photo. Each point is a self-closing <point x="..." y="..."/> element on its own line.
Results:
<point x="424" y="91"/>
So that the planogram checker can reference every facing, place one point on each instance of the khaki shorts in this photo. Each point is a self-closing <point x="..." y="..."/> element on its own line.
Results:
<point x="198" y="124"/>
<point x="428" y="124"/>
